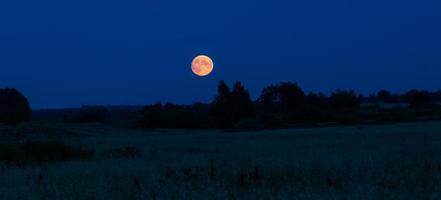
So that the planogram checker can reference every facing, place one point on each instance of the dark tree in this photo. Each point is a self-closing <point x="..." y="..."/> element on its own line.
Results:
<point x="285" y="97"/>
<point x="14" y="107"/>
<point x="230" y="107"/>
<point x="242" y="106"/>
<point x="282" y="103"/>
<point x="418" y="99"/>
<point x="221" y="106"/>
<point x="387" y="97"/>
<point x="153" y="116"/>
<point x="345" y="100"/>
<point x="384" y="96"/>
<point x="319" y="101"/>
<point x="291" y="96"/>
<point x="317" y="108"/>
<point x="437" y="96"/>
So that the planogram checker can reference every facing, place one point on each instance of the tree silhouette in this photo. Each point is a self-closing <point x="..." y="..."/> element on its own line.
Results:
<point x="14" y="107"/>
<point x="153" y="116"/>
<point x="418" y="99"/>
<point x="284" y="102"/>
<point x="345" y="100"/>
<point x="221" y="106"/>
<point x="242" y="106"/>
<point x="285" y="97"/>
<point x="230" y="107"/>
<point x="384" y="96"/>
<point x="437" y="96"/>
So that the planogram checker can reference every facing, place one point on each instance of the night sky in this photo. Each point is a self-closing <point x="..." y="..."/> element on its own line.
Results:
<point x="75" y="52"/>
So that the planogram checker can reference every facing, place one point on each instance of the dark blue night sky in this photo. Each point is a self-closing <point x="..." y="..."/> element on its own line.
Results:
<point x="69" y="53"/>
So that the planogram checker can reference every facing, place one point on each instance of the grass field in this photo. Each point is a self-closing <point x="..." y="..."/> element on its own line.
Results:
<point x="399" y="161"/>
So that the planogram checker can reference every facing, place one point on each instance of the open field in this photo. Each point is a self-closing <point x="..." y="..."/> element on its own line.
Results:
<point x="399" y="161"/>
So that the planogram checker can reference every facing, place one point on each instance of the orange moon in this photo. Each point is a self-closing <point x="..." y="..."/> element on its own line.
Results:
<point x="202" y="65"/>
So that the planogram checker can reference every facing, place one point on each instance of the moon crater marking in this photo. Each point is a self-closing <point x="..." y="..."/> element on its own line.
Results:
<point x="202" y="65"/>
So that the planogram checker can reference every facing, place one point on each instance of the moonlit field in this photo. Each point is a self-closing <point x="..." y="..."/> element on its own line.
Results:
<point x="397" y="161"/>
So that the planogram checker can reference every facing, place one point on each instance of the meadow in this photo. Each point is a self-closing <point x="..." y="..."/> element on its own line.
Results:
<point x="395" y="161"/>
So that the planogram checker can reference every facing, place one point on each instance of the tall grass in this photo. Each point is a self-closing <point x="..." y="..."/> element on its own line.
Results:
<point x="400" y="161"/>
<point x="38" y="152"/>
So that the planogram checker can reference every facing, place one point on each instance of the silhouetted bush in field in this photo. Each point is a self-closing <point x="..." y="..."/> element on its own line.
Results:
<point x="14" y="107"/>
<point x="90" y="114"/>
<point x="36" y="152"/>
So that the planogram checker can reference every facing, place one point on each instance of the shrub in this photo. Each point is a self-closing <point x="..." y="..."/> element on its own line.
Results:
<point x="14" y="107"/>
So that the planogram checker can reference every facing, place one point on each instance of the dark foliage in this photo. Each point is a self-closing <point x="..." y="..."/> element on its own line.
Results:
<point x="418" y="99"/>
<point x="286" y="105"/>
<point x="281" y="103"/>
<point x="437" y="96"/>
<point x="387" y="97"/>
<point x="221" y="107"/>
<point x="14" y="107"/>
<point x="344" y="101"/>
<point x="285" y="97"/>
<point x="231" y="107"/>
<point x="175" y="116"/>
<point x="242" y="106"/>
<point x="317" y="108"/>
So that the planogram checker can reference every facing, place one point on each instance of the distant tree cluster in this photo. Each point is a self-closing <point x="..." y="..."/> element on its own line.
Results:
<point x="280" y="105"/>
<point x="231" y="106"/>
<point x="286" y="104"/>
<point x="14" y="107"/>
<point x="414" y="98"/>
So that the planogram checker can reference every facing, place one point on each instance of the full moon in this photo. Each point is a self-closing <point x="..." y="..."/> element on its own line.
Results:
<point x="202" y="65"/>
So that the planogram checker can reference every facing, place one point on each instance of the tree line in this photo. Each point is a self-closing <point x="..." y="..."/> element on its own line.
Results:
<point x="286" y="104"/>
<point x="279" y="105"/>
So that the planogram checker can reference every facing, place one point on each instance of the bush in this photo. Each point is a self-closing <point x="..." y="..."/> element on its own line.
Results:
<point x="36" y="152"/>
<point x="14" y="107"/>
